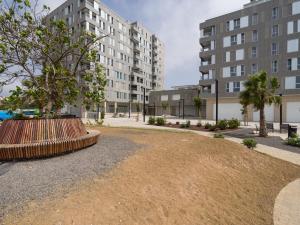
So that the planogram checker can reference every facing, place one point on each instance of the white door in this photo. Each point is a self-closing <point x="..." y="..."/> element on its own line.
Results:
<point x="229" y="111"/>
<point x="269" y="114"/>
<point x="293" y="112"/>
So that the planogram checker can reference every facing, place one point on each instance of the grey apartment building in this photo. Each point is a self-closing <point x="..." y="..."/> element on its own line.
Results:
<point x="132" y="56"/>
<point x="264" y="35"/>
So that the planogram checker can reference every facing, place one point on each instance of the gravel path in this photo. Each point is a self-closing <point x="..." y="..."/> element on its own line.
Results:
<point x="32" y="180"/>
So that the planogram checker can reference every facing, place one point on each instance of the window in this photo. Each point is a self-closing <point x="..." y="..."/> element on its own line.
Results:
<point x="233" y="71"/>
<point x="254" y="52"/>
<point x="298" y="82"/>
<point x="243" y="38"/>
<point x="274" y="66"/>
<point x="254" y="68"/>
<point x="293" y="45"/>
<point x="254" y="19"/>
<point x="242" y="70"/>
<point x="237" y="23"/>
<point x="227" y="25"/>
<point x="275" y="31"/>
<point x="275" y="48"/>
<point x="234" y="40"/>
<point x="254" y="35"/>
<point x="236" y="87"/>
<point x="289" y="65"/>
<point x="227" y="87"/>
<point x="275" y="13"/>
<point x="298" y="63"/>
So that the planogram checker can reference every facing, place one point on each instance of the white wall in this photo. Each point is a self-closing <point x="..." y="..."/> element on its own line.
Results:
<point x="226" y="41"/>
<point x="227" y="56"/>
<point x="290" y="83"/>
<point x="296" y="8"/>
<point x="244" y="21"/>
<point x="290" y="27"/>
<point x="293" y="45"/>
<point x="226" y="72"/>
<point x="239" y="54"/>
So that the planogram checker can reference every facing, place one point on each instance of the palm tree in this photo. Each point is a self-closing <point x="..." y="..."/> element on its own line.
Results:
<point x="260" y="90"/>
<point x="197" y="104"/>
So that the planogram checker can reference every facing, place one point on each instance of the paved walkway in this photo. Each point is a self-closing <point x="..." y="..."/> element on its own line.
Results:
<point x="287" y="203"/>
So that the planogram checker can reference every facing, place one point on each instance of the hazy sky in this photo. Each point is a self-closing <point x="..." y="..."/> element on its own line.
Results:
<point x="176" y="22"/>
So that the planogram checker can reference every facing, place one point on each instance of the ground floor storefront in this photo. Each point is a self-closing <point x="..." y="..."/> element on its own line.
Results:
<point x="229" y="108"/>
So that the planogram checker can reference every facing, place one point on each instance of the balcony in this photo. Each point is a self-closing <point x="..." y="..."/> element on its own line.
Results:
<point x="135" y="38"/>
<point x="208" y="32"/>
<point x="137" y="48"/>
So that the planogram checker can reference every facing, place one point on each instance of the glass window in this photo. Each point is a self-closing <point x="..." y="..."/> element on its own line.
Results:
<point x="236" y="87"/>
<point x="227" y="87"/>
<point x="234" y="40"/>
<point x="243" y="38"/>
<point x="275" y="31"/>
<point x="254" y="68"/>
<point x="254" y="52"/>
<point x="289" y="64"/>
<point x="254" y="35"/>
<point x="227" y="26"/>
<point x="298" y="82"/>
<point x="275" y="48"/>
<point x="298" y="63"/>
<point x="255" y="19"/>
<point x="242" y="70"/>
<point x="275" y="13"/>
<point x="233" y="71"/>
<point x="274" y="66"/>
<point x="237" y="23"/>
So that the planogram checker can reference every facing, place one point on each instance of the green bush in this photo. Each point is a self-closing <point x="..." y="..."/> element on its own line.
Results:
<point x="213" y="128"/>
<point x="233" y="123"/>
<point x="294" y="140"/>
<point x="182" y="125"/>
<point x="188" y="124"/>
<point x="199" y="124"/>
<point x="151" y="120"/>
<point x="218" y="135"/>
<point x="223" y="124"/>
<point x="160" y="121"/>
<point x="250" y="143"/>
<point x="207" y="126"/>
<point x="102" y="115"/>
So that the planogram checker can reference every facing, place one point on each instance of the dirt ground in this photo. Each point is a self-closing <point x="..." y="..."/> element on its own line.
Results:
<point x="175" y="178"/>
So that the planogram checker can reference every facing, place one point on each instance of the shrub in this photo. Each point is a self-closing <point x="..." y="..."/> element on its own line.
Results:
<point x="223" y="124"/>
<point x="213" y="128"/>
<point x="188" y="124"/>
<point x="182" y="125"/>
<point x="199" y="124"/>
<point x="294" y="140"/>
<point x="250" y="143"/>
<point x="160" y="121"/>
<point x="151" y="120"/>
<point x="233" y="124"/>
<point x="177" y="123"/>
<point x="218" y="135"/>
<point x="207" y="126"/>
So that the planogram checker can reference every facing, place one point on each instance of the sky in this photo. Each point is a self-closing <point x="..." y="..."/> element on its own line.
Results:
<point x="176" y="23"/>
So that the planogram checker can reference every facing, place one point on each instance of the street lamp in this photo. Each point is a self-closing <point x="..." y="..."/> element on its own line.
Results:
<point x="182" y="107"/>
<point x="280" y="117"/>
<point x="144" y="105"/>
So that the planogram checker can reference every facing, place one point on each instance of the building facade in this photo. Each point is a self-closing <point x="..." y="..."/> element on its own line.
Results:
<point x="264" y="35"/>
<point x="132" y="56"/>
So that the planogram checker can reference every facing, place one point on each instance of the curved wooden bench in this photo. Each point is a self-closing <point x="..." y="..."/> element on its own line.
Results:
<point x="40" y="138"/>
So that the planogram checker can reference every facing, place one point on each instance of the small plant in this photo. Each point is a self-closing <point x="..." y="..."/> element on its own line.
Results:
<point x="102" y="115"/>
<point x="219" y="135"/>
<point x="183" y="125"/>
<point x="223" y="124"/>
<point x="207" y="126"/>
<point x="233" y="123"/>
<point x="199" y="124"/>
<point x="151" y="120"/>
<point x="188" y="124"/>
<point x="213" y="128"/>
<point x="177" y="123"/>
<point x="160" y="121"/>
<point x="294" y="140"/>
<point x="250" y="143"/>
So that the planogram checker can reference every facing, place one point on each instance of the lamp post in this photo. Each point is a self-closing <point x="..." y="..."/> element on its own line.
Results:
<point x="182" y="107"/>
<point x="217" y="100"/>
<point x="144" y="106"/>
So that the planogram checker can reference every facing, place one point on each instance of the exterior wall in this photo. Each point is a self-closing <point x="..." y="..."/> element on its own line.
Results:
<point x="127" y="53"/>
<point x="216" y="44"/>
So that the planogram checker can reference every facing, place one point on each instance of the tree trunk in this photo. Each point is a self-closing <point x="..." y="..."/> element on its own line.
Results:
<point x="262" y="123"/>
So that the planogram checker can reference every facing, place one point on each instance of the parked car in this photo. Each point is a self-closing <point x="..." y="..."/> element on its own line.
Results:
<point x="4" y="115"/>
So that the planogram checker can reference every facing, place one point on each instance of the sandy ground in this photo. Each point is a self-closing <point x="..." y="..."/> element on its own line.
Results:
<point x="175" y="178"/>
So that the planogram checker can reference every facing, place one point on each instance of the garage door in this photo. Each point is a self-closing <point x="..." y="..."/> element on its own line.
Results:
<point x="229" y="111"/>
<point x="269" y="114"/>
<point x="293" y="112"/>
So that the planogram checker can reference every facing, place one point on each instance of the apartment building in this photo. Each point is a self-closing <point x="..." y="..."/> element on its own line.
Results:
<point x="132" y="56"/>
<point x="264" y="35"/>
